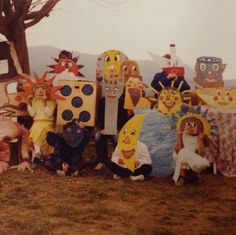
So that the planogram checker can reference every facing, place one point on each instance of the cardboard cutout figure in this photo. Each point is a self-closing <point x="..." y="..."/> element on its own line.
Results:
<point x="221" y="97"/>
<point x="108" y="65"/>
<point x="79" y="102"/>
<point x="12" y="102"/>
<point x="209" y="71"/>
<point x="127" y="141"/>
<point x="190" y="147"/>
<point x="129" y="68"/>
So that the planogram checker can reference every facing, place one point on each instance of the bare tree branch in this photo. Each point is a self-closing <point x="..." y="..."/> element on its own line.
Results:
<point x="39" y="15"/>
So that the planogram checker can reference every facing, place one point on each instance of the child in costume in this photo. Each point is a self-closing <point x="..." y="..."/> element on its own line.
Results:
<point x="171" y="71"/>
<point x="143" y="163"/>
<point x="68" y="149"/>
<point x="190" y="149"/>
<point x="41" y="108"/>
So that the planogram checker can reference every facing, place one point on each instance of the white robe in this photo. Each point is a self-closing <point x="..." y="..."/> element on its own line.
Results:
<point x="187" y="158"/>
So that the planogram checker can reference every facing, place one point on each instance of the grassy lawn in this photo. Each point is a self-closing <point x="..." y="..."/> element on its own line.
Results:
<point x="93" y="203"/>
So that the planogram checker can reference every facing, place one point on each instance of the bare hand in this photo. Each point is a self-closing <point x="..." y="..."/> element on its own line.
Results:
<point x="120" y="161"/>
<point x="136" y="163"/>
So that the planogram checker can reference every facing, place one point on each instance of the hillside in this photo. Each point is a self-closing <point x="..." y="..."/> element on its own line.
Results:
<point x="41" y="56"/>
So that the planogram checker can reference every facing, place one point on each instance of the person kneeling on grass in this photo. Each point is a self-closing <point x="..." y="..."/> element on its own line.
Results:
<point x="143" y="165"/>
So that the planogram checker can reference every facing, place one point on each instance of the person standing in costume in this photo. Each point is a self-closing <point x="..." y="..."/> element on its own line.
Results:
<point x="171" y="71"/>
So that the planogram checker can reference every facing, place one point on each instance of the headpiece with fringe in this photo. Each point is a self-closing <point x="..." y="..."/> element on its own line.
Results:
<point x="30" y="85"/>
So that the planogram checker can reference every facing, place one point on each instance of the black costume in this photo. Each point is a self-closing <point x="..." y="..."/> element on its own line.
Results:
<point x="162" y="77"/>
<point x="68" y="148"/>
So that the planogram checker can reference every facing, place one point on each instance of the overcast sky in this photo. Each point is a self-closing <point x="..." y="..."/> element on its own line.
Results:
<point x="197" y="27"/>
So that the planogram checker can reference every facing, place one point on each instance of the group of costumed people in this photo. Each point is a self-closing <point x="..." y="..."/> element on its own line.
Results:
<point x="63" y="151"/>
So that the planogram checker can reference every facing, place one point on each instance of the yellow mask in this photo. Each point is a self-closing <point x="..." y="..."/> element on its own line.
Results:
<point x="169" y="101"/>
<point x="218" y="97"/>
<point x="127" y="141"/>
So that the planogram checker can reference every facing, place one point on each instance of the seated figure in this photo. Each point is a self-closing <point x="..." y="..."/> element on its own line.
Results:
<point x="189" y="151"/>
<point x="68" y="149"/>
<point x="142" y="168"/>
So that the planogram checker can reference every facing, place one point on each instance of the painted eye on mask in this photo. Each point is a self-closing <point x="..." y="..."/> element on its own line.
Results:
<point x="133" y="132"/>
<point x="202" y="67"/>
<point x="125" y="131"/>
<point x="134" y="68"/>
<point x="218" y="92"/>
<point x="70" y="64"/>
<point x="117" y="57"/>
<point x="107" y="59"/>
<point x="107" y="89"/>
<point x="63" y="63"/>
<point x="69" y="130"/>
<point x="215" y="67"/>
<point x="227" y="93"/>
<point x="124" y="68"/>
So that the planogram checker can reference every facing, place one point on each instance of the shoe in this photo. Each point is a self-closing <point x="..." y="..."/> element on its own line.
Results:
<point x="180" y="181"/>
<point x="76" y="173"/>
<point x="137" y="178"/>
<point x="60" y="173"/>
<point x="37" y="158"/>
<point x="99" y="166"/>
<point x="116" y="177"/>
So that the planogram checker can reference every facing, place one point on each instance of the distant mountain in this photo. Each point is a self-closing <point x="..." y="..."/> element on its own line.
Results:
<point x="41" y="56"/>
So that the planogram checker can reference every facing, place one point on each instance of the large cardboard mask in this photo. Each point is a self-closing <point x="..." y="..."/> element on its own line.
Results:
<point x="218" y="97"/>
<point x="170" y="99"/>
<point x="127" y="141"/>
<point x="79" y="102"/>
<point x="209" y="71"/>
<point x="133" y="94"/>
<point x="109" y="64"/>
<point x="129" y="68"/>
<point x="112" y="92"/>
<point x="193" y="124"/>
<point x="170" y="63"/>
<point x="72" y="134"/>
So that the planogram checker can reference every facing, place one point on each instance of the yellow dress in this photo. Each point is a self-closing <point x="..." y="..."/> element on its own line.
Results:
<point x="43" y="116"/>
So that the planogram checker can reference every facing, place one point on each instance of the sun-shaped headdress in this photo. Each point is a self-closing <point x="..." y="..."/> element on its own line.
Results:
<point x="170" y="99"/>
<point x="30" y="85"/>
<point x="65" y="62"/>
<point x="188" y="113"/>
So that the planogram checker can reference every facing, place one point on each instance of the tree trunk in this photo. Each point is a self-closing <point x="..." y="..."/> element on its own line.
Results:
<point x="18" y="37"/>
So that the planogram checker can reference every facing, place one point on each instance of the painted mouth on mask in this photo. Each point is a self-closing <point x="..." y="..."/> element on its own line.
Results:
<point x="169" y="104"/>
<point x="222" y="103"/>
